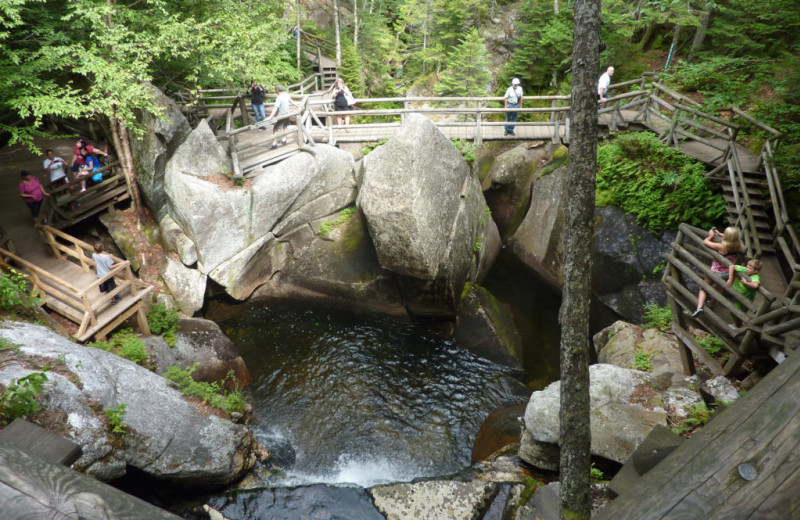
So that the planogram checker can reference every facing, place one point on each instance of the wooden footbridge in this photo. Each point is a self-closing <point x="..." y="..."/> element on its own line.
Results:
<point x="60" y="267"/>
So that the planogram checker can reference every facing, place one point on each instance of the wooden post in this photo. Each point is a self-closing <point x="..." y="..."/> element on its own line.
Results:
<point x="556" y="127"/>
<point x="81" y="258"/>
<point x="299" y="120"/>
<point x="478" y="129"/>
<point x="243" y="109"/>
<point x="678" y="318"/>
<point x="51" y="241"/>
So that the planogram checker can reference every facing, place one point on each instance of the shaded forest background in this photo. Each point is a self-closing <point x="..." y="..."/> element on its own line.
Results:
<point x="85" y="58"/>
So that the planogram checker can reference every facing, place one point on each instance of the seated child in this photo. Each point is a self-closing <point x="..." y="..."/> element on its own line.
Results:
<point x="748" y="289"/>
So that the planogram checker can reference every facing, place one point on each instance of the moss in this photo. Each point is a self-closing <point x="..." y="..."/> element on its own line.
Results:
<point x="550" y="168"/>
<point x="562" y="152"/>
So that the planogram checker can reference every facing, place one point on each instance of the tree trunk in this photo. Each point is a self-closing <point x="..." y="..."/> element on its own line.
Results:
<point x="122" y="143"/>
<point x="555" y="6"/>
<point x="700" y="34"/>
<point x="676" y="35"/>
<point x="338" y="36"/>
<point x="297" y="37"/>
<point x="355" y="25"/>
<point x="648" y="33"/>
<point x="575" y="435"/>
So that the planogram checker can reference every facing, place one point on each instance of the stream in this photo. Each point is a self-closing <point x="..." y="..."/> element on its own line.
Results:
<point x="346" y="401"/>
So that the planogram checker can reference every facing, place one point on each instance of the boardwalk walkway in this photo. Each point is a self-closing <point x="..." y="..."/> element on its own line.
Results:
<point x="59" y="265"/>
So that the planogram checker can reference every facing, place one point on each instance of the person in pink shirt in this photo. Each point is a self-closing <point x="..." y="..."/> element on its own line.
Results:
<point x="78" y="160"/>
<point x="32" y="192"/>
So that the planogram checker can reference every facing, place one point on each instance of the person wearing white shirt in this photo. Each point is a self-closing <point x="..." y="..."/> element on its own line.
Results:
<point x="55" y="167"/>
<point x="513" y="99"/>
<point x="603" y="83"/>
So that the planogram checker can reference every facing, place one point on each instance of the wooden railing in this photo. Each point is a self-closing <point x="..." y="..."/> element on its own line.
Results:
<point x="684" y="269"/>
<point x="67" y="205"/>
<point x="80" y="304"/>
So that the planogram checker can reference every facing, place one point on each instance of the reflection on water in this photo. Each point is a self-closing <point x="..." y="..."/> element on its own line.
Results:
<point x="363" y="400"/>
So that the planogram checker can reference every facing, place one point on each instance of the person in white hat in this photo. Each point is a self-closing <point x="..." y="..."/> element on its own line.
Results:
<point x="513" y="99"/>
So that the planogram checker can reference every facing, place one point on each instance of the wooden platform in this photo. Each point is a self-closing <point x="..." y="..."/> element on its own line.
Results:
<point x="31" y="488"/>
<point x="35" y="440"/>
<point x="745" y="463"/>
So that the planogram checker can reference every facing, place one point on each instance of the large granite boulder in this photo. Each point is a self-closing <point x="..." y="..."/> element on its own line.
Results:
<point x="486" y="328"/>
<point x="506" y="179"/>
<point x="433" y="500"/>
<point x="153" y="147"/>
<point x="620" y="420"/>
<point x="332" y="266"/>
<point x="424" y="210"/>
<point x="626" y="258"/>
<point x="167" y="437"/>
<point x="539" y="240"/>
<point x="187" y="286"/>
<point x="618" y="344"/>
<point x="200" y="341"/>
<point x="176" y="241"/>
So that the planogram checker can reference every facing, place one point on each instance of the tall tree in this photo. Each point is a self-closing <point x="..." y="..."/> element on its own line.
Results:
<point x="468" y="71"/>
<point x="575" y="434"/>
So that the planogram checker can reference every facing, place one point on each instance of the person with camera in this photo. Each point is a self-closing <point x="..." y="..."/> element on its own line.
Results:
<point x="257" y="92"/>
<point x="728" y="247"/>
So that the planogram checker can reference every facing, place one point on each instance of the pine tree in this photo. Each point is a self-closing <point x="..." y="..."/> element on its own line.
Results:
<point x="351" y="69"/>
<point x="467" y="73"/>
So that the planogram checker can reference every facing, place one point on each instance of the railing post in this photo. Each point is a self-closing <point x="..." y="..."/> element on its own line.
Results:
<point x="300" y="117"/>
<point x="478" y="128"/>
<point x="82" y="258"/>
<point x="243" y="109"/>
<point x="51" y="241"/>
<point x="405" y="107"/>
<point x="556" y="127"/>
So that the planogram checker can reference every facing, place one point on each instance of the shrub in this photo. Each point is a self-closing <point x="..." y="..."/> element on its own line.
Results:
<point x="698" y="415"/>
<point x="714" y="346"/>
<point x="19" y="399"/>
<point x="163" y="321"/>
<point x="116" y="416"/>
<point x="212" y="394"/>
<point x="657" y="317"/>
<point x="14" y="295"/>
<point x="124" y="343"/>
<point x="642" y="360"/>
<point x="343" y="217"/>
<point x="596" y="473"/>
<point x="468" y="150"/>
<point x="657" y="184"/>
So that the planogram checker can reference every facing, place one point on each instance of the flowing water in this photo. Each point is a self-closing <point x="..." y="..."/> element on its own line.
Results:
<point x="346" y="401"/>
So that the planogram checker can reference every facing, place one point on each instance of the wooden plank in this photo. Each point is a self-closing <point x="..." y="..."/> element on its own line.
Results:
<point x="35" y="440"/>
<point x="762" y="429"/>
<point x="31" y="488"/>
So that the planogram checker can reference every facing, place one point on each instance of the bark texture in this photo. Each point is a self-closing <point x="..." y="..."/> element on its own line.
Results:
<point x="575" y="437"/>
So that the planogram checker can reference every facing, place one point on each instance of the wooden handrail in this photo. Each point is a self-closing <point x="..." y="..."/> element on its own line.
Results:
<point x="38" y="270"/>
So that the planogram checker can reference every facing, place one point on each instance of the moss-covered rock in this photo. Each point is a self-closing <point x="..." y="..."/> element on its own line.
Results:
<point x="486" y="328"/>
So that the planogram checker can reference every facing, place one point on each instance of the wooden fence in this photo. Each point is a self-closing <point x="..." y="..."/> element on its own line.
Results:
<point x="83" y="303"/>
<point x="67" y="205"/>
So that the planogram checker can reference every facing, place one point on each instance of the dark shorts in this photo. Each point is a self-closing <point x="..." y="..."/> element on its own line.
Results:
<point x="35" y="207"/>
<point x="280" y="125"/>
<point x="108" y="285"/>
<point x="340" y="109"/>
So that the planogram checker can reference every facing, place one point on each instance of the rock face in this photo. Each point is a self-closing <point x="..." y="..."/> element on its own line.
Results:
<point x="618" y="425"/>
<point x="187" y="286"/>
<point x="167" y="437"/>
<point x="618" y="344"/>
<point x="424" y="213"/>
<point x="626" y="257"/>
<point x="162" y="135"/>
<point x="486" y="328"/>
<point x="539" y="241"/>
<point x="626" y="263"/>
<point x="506" y="180"/>
<point x="432" y="500"/>
<point x="201" y="341"/>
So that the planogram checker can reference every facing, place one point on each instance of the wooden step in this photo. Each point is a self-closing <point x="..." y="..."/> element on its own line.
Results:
<point x="113" y="315"/>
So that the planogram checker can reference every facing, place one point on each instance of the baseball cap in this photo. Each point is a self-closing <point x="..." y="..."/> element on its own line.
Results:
<point x="515" y="81"/>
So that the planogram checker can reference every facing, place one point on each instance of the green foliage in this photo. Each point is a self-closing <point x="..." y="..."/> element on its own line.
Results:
<point x="657" y="317"/>
<point x="371" y="146"/>
<point x="596" y="474"/>
<point x="476" y="247"/>
<point x="659" y="268"/>
<point x="485" y="214"/>
<point x="698" y="415"/>
<point x="344" y="216"/>
<point x="657" y="184"/>
<point x="213" y="394"/>
<point x="14" y="295"/>
<point x="724" y="80"/>
<point x="6" y="344"/>
<point x="351" y="70"/>
<point x="124" y="343"/>
<point x="468" y="150"/>
<point x="116" y="418"/>
<point x="467" y="73"/>
<point x="19" y="399"/>
<point x="642" y="360"/>
<point x="163" y="321"/>
<point x="714" y="346"/>
<point x="543" y="46"/>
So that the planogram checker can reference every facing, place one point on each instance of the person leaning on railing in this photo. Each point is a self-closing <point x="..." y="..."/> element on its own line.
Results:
<point x="728" y="248"/>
